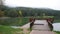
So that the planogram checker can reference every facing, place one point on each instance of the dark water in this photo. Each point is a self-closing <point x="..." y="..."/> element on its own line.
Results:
<point x="9" y="21"/>
<point x="56" y="26"/>
<point x="13" y="21"/>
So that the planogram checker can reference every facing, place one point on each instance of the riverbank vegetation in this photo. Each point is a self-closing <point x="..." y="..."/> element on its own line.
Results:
<point x="10" y="30"/>
<point x="57" y="32"/>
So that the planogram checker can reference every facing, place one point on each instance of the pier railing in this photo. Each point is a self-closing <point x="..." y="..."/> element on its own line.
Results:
<point x="50" y="26"/>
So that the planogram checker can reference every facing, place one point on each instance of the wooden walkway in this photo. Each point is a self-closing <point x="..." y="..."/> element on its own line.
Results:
<point x="41" y="27"/>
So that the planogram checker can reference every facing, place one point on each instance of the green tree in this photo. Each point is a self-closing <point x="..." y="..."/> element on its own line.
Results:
<point x="1" y="13"/>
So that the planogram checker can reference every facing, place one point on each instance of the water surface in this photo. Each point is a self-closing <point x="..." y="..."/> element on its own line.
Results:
<point x="56" y="26"/>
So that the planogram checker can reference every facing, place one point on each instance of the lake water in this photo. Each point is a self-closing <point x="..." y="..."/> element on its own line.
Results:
<point x="15" y="26"/>
<point x="56" y="26"/>
<point x="17" y="21"/>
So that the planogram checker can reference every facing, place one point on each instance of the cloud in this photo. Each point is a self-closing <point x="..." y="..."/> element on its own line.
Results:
<point x="54" y="4"/>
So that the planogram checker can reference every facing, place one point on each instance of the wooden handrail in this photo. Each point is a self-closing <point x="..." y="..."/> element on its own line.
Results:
<point x="50" y="25"/>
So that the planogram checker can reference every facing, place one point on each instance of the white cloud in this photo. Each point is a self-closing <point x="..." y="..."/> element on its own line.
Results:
<point x="54" y="4"/>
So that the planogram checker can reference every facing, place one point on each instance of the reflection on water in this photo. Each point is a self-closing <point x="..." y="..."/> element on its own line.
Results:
<point x="15" y="26"/>
<point x="13" y="21"/>
<point x="56" y="26"/>
<point x="9" y="21"/>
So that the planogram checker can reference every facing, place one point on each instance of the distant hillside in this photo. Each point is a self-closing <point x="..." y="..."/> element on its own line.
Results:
<point x="28" y="11"/>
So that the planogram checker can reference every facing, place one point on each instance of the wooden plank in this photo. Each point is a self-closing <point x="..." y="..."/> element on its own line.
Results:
<point x="41" y="25"/>
<point x="42" y="32"/>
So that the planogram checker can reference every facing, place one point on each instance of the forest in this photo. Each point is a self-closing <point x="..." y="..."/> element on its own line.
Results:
<point x="27" y="12"/>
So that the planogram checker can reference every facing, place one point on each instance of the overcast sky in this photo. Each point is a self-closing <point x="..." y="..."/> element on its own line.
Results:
<point x="54" y="4"/>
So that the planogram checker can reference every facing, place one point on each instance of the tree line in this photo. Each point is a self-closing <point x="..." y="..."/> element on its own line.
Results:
<point x="27" y="11"/>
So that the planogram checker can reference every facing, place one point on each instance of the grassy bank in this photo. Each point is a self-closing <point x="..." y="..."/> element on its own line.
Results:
<point x="57" y="32"/>
<point x="9" y="30"/>
<point x="56" y="20"/>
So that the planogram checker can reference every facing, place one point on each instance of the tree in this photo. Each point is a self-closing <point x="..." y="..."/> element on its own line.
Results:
<point x="20" y="13"/>
<point x="1" y="13"/>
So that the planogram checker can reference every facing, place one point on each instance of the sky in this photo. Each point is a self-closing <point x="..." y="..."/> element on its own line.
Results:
<point x="53" y="4"/>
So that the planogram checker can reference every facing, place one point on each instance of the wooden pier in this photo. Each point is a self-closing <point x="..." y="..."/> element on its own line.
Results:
<point x="42" y="27"/>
